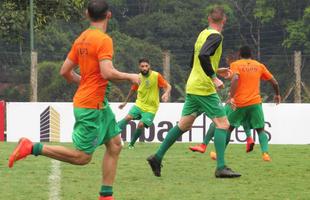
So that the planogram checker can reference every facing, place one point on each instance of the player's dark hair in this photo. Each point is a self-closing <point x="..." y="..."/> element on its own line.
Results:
<point x="217" y="14"/>
<point x="97" y="10"/>
<point x="245" y="52"/>
<point x="144" y="60"/>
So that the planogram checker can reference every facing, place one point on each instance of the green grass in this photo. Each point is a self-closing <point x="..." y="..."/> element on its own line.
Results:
<point x="185" y="175"/>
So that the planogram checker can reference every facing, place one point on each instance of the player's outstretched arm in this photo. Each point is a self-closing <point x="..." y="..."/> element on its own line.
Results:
<point x="163" y="83"/>
<point x="110" y="73"/>
<point x="167" y="90"/>
<point x="130" y="94"/>
<point x="67" y="71"/>
<point x="224" y="72"/>
<point x="276" y="88"/>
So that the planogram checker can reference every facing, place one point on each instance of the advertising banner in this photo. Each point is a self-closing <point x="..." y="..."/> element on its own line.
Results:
<point x="284" y="123"/>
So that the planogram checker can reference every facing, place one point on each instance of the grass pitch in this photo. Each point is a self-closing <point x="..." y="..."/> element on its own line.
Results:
<point x="185" y="175"/>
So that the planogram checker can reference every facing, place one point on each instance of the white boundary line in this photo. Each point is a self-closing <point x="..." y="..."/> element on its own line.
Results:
<point x="54" y="180"/>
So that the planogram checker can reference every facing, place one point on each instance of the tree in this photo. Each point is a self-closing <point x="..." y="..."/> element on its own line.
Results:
<point x="14" y="14"/>
<point x="53" y="87"/>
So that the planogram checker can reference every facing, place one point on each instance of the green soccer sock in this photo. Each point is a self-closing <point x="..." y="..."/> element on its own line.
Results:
<point x="37" y="149"/>
<point x="106" y="191"/>
<point x="136" y="135"/>
<point x="227" y="138"/>
<point x="220" y="136"/>
<point x="263" y="141"/>
<point x="172" y="136"/>
<point x="121" y="124"/>
<point x="247" y="133"/>
<point x="210" y="134"/>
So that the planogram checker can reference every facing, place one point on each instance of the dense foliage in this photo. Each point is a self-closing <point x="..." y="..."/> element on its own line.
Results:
<point x="145" y="28"/>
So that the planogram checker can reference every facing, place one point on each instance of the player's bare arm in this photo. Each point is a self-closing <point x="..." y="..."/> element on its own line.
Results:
<point x="276" y="88"/>
<point x="233" y="89"/>
<point x="224" y="72"/>
<point x="110" y="73"/>
<point x="67" y="71"/>
<point x="167" y="90"/>
<point x="130" y="94"/>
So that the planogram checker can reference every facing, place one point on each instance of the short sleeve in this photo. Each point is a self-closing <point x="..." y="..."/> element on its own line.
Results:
<point x="234" y="68"/>
<point x="162" y="83"/>
<point x="73" y="55"/>
<point x="105" y="49"/>
<point x="134" y="87"/>
<point x="266" y="75"/>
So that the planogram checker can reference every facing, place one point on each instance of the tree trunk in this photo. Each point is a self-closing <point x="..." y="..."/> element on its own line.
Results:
<point x="258" y="44"/>
<point x="34" y="77"/>
<point x="166" y="65"/>
<point x="297" y="67"/>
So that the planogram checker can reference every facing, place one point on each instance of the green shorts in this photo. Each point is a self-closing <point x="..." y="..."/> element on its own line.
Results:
<point x="211" y="105"/>
<point x="93" y="128"/>
<point x="228" y="109"/>
<point x="145" y="117"/>
<point x="252" y="117"/>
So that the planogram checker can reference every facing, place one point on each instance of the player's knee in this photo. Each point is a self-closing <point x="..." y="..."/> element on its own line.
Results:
<point x="141" y="125"/>
<point x="115" y="149"/>
<point x="186" y="123"/>
<point x="115" y="146"/>
<point x="185" y="127"/>
<point x="223" y="125"/>
<point x="128" y="118"/>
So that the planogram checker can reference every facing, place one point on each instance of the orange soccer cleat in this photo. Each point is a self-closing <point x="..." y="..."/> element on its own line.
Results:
<point x="22" y="150"/>
<point x="249" y="144"/>
<point x="266" y="157"/>
<point x="198" y="148"/>
<point x="213" y="155"/>
<point x="106" y="198"/>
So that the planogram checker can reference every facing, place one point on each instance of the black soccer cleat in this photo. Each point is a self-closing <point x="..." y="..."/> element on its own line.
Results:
<point x="155" y="165"/>
<point x="226" y="173"/>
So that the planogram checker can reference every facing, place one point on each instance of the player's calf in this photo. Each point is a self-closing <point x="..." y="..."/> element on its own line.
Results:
<point x="82" y="159"/>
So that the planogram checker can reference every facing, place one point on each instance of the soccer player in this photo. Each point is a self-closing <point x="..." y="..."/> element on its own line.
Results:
<point x="201" y="95"/>
<point x="147" y="101"/>
<point x="245" y="95"/>
<point x="95" y="122"/>
<point x="231" y="57"/>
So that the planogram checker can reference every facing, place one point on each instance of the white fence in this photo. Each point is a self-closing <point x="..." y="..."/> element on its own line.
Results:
<point x="285" y="123"/>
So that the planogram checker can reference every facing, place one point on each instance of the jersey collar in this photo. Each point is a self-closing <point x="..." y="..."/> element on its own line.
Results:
<point x="95" y="28"/>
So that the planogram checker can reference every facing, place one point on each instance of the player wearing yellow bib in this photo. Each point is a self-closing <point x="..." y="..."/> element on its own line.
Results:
<point x="147" y="102"/>
<point x="201" y="96"/>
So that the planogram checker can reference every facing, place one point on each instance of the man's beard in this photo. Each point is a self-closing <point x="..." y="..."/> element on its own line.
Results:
<point x="145" y="73"/>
